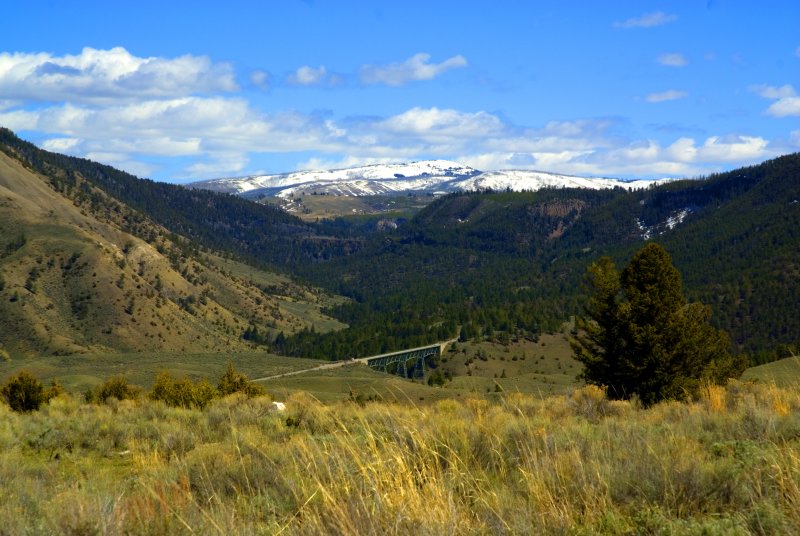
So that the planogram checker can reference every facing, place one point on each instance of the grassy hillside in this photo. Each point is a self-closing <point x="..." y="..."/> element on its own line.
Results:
<point x="784" y="372"/>
<point x="87" y="274"/>
<point x="571" y="464"/>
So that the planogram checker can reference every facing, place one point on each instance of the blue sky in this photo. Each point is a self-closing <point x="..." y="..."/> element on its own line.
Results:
<point x="192" y="90"/>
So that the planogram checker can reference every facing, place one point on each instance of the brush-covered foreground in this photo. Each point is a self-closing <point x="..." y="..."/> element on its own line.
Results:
<point x="726" y="464"/>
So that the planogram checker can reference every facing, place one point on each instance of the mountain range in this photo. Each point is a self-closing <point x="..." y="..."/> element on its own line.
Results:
<point x="427" y="176"/>
<point x="93" y="259"/>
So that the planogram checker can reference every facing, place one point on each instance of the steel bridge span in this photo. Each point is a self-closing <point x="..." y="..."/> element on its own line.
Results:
<point x="411" y="363"/>
<point x="393" y="362"/>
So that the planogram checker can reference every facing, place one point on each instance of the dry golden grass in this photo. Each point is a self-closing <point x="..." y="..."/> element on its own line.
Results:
<point x="728" y="463"/>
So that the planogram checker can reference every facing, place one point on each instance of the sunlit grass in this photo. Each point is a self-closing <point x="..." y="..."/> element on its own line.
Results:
<point x="728" y="463"/>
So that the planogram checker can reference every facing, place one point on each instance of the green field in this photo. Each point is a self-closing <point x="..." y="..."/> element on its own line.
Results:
<point x="784" y="372"/>
<point x="78" y="372"/>
<point x="541" y="368"/>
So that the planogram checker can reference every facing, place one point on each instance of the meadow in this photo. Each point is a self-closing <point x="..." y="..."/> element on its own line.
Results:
<point x="542" y="368"/>
<point x="509" y="463"/>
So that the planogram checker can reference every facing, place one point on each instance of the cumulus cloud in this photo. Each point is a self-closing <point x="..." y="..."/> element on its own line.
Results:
<point x="218" y="132"/>
<point x="786" y="104"/>
<point x="637" y="159"/>
<point x="785" y="107"/>
<point x="648" y="20"/>
<point x="349" y="161"/>
<point x="413" y="69"/>
<point x="773" y="92"/>
<point x="308" y="76"/>
<point x="669" y="95"/>
<point x="673" y="59"/>
<point x="219" y="136"/>
<point x="107" y="75"/>
<point x="433" y="123"/>
<point x="260" y="79"/>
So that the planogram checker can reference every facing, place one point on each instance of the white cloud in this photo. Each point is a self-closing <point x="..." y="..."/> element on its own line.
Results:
<point x="349" y="161"/>
<point x="260" y="79"/>
<point x="436" y="122"/>
<point x="413" y="69"/>
<point x="673" y="59"/>
<point x="645" y="158"/>
<point x="786" y="104"/>
<point x="773" y="92"/>
<point x="669" y="95"/>
<point x="308" y="76"/>
<point x="109" y="75"/>
<point x="219" y="135"/>
<point x="219" y="132"/>
<point x="61" y="145"/>
<point x="648" y="20"/>
<point x="224" y="163"/>
<point x="797" y="52"/>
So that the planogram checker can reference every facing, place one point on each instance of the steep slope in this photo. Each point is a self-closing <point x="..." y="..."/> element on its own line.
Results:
<point x="256" y="233"/>
<point x="77" y="275"/>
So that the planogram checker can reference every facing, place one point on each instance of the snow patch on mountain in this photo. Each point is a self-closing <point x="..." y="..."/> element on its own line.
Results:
<point x="365" y="180"/>
<point x="428" y="176"/>
<point x="521" y="180"/>
<point x="674" y="219"/>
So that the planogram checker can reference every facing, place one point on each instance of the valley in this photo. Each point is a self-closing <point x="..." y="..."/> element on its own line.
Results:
<point x="306" y="268"/>
<point x="97" y="261"/>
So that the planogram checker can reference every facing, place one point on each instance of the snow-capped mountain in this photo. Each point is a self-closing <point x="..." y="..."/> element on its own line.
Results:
<point x="428" y="176"/>
<point x="523" y="180"/>
<point x="379" y="179"/>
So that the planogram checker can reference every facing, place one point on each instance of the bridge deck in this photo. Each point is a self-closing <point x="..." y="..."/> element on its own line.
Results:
<point x="397" y="356"/>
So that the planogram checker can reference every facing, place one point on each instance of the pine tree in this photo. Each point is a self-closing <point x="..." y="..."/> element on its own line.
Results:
<point x="640" y="337"/>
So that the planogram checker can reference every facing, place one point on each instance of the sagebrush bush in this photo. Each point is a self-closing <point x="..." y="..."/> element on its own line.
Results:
<point x="181" y="392"/>
<point x="116" y="387"/>
<point x="234" y="381"/>
<point x="23" y="392"/>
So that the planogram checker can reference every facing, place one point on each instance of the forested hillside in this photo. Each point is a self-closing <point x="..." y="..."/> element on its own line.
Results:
<point x="261" y="234"/>
<point x="489" y="264"/>
<point x="504" y="263"/>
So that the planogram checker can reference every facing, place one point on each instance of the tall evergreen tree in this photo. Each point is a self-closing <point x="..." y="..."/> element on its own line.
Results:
<point x="640" y="337"/>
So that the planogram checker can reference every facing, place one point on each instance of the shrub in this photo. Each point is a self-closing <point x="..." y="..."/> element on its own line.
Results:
<point x="115" y="387"/>
<point x="54" y="390"/>
<point x="234" y="381"/>
<point x="182" y="392"/>
<point x="24" y="392"/>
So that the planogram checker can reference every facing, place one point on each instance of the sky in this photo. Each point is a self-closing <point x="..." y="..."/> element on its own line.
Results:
<point x="188" y="90"/>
